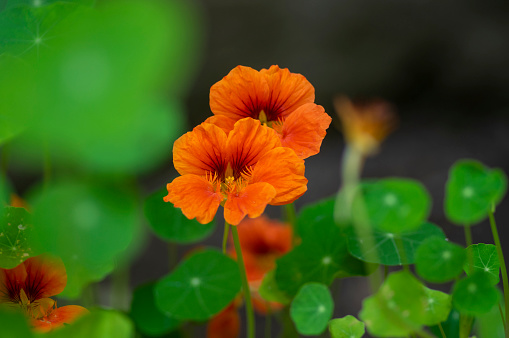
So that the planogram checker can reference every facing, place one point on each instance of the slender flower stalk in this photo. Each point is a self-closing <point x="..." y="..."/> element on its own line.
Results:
<point x="245" y="286"/>
<point x="225" y="235"/>
<point x="502" y="267"/>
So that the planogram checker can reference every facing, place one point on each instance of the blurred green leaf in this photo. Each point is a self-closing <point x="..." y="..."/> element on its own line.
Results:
<point x="200" y="287"/>
<point x="70" y="218"/>
<point x="99" y="323"/>
<point x="13" y="323"/>
<point x="437" y="308"/>
<point x="312" y="308"/>
<point x="15" y="237"/>
<point x="147" y="317"/>
<point x="451" y="326"/>
<point x="387" y="248"/>
<point x="322" y="254"/>
<point x="40" y="3"/>
<point x="484" y="260"/>
<point x="471" y="190"/>
<point x="392" y="205"/>
<point x="170" y="224"/>
<point x="475" y="294"/>
<point x="346" y="327"/>
<point x="269" y="290"/>
<point x="438" y="260"/>
<point x="490" y="324"/>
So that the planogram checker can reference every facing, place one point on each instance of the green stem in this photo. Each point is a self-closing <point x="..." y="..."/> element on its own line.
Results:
<point x="245" y="285"/>
<point x="120" y="288"/>
<point x="442" y="330"/>
<point x="502" y="268"/>
<point x="291" y="218"/>
<point x="468" y="235"/>
<point x="268" y="321"/>
<point x="502" y="316"/>
<point x="225" y="236"/>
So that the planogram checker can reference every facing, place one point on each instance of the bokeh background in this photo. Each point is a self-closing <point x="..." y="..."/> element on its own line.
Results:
<point x="442" y="64"/>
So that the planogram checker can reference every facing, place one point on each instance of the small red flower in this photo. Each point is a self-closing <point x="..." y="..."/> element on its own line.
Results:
<point x="29" y="286"/>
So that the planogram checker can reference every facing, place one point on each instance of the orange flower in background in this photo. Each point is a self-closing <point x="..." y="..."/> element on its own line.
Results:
<point x="29" y="286"/>
<point x="365" y="124"/>
<point x="243" y="170"/>
<point x="279" y="99"/>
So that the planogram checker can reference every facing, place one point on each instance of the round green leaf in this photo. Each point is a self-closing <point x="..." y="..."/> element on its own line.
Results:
<point x="87" y="226"/>
<point x="99" y="323"/>
<point x="319" y="214"/>
<point x="346" y="327"/>
<point x="475" y="294"/>
<point x="147" y="317"/>
<point x="311" y="309"/>
<point x="170" y="224"/>
<point x="438" y="260"/>
<point x="15" y="237"/>
<point x="393" y="248"/>
<point x="483" y="258"/>
<point x="471" y="190"/>
<point x="451" y="326"/>
<point x="200" y="287"/>
<point x="392" y="205"/>
<point x="437" y="307"/>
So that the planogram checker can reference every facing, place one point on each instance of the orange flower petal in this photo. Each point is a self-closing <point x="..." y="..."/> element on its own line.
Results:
<point x="200" y="151"/>
<point x="11" y="283"/>
<point x="58" y="317"/>
<point x="288" y="91"/>
<point x="248" y="142"/>
<point x="304" y="130"/>
<point x="282" y="169"/>
<point x="196" y="196"/>
<point x="239" y="94"/>
<point x="222" y="122"/>
<point x="250" y="201"/>
<point x="46" y="277"/>
<point x="225" y="325"/>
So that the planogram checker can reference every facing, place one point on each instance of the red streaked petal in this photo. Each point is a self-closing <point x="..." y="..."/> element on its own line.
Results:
<point x="282" y="169"/>
<point x="200" y="151"/>
<point x="250" y="201"/>
<point x="11" y="283"/>
<point x="196" y="196"/>
<point x="46" y="277"/>
<point x="58" y="317"/>
<point x="288" y="91"/>
<point x="222" y="122"/>
<point x="304" y="130"/>
<point x="241" y="93"/>
<point x="248" y="141"/>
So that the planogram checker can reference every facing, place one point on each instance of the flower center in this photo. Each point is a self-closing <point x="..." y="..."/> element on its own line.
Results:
<point x="264" y="120"/>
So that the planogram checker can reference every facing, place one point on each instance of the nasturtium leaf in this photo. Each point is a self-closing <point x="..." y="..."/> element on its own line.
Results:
<point x="147" y="317"/>
<point x="315" y="216"/>
<point x="438" y="260"/>
<point x="88" y="226"/>
<point x="471" y="191"/>
<point x="14" y="323"/>
<point x="269" y="290"/>
<point x="170" y="224"/>
<point x="475" y="294"/>
<point x="380" y="322"/>
<point x="346" y="327"/>
<point x="392" y="205"/>
<point x="483" y="258"/>
<point x="200" y="287"/>
<point x="392" y="248"/>
<point x="15" y="233"/>
<point x="451" y="326"/>
<point x="98" y="323"/>
<point x="490" y="324"/>
<point x="40" y="3"/>
<point x="320" y="257"/>
<point x="312" y="308"/>
<point x="437" y="308"/>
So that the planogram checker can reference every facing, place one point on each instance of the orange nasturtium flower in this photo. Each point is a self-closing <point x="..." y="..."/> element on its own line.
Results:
<point x="243" y="170"/>
<point x="262" y="241"/>
<point x="279" y="99"/>
<point x="29" y="286"/>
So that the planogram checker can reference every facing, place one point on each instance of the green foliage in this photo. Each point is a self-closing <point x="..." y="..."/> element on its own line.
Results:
<point x="269" y="290"/>
<point x="70" y="218"/>
<point x="346" y="327"/>
<point x="170" y="224"/>
<point x="312" y="308"/>
<point x="99" y="323"/>
<point x="471" y="191"/>
<point x="392" y="205"/>
<point x="438" y="260"/>
<point x="200" y="287"/>
<point x="451" y="326"/>
<point x="322" y="254"/>
<point x="438" y="306"/>
<point x="147" y="317"/>
<point x="393" y="248"/>
<point x="483" y="258"/>
<point x="490" y="324"/>
<point x="475" y="294"/>
<point x="13" y="323"/>
<point x="15" y="232"/>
